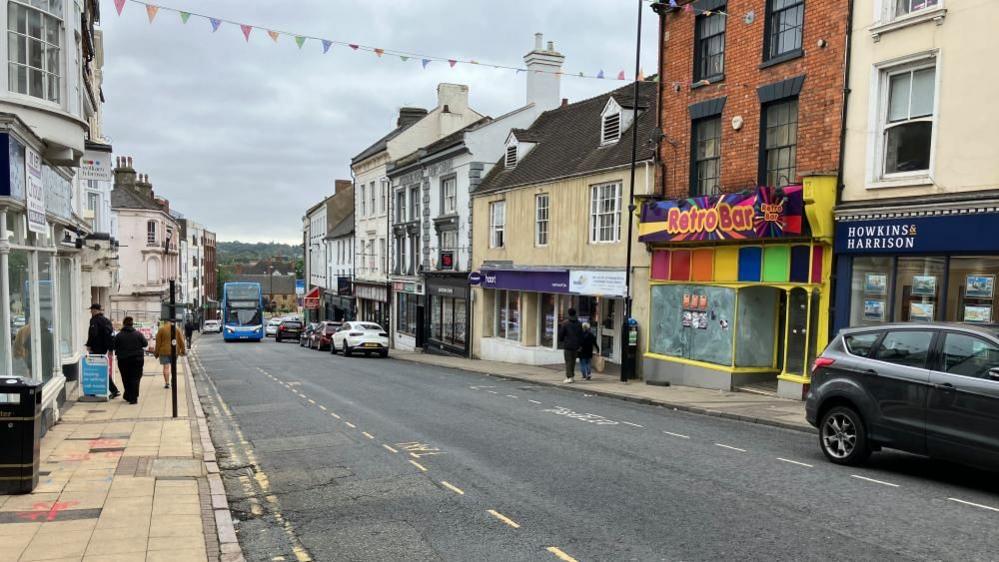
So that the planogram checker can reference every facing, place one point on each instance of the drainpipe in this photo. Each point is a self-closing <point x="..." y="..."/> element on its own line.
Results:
<point x="833" y="280"/>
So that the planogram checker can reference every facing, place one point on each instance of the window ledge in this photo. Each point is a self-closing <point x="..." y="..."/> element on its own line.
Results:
<point x="910" y="181"/>
<point x="791" y="55"/>
<point x="707" y="81"/>
<point x="937" y="15"/>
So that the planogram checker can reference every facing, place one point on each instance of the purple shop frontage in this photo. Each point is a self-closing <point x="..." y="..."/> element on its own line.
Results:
<point x="522" y="307"/>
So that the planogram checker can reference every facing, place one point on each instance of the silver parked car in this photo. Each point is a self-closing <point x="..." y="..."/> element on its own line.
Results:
<point x="926" y="388"/>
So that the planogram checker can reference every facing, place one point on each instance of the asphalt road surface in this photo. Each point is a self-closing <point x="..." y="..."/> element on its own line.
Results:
<point x="331" y="458"/>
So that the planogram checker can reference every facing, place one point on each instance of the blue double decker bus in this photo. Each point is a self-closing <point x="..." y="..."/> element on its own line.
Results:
<point x="242" y="312"/>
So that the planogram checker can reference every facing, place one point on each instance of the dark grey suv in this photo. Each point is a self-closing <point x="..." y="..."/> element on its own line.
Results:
<point x="930" y="389"/>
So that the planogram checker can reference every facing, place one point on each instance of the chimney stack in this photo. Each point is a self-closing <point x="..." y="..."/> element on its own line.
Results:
<point x="124" y="174"/>
<point x="543" y="78"/>
<point x="410" y="115"/>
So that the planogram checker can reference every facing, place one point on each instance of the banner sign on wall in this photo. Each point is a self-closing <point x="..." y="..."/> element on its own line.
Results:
<point x="96" y="166"/>
<point x="35" y="192"/>
<point x="963" y="232"/>
<point x="538" y="281"/>
<point x="58" y="193"/>
<point x="765" y="213"/>
<point x="15" y="165"/>
<point x="598" y="283"/>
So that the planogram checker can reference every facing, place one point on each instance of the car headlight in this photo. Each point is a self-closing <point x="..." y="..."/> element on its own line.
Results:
<point x="230" y="330"/>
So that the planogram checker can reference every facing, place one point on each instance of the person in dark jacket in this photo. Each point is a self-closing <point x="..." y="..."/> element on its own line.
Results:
<point x="570" y="335"/>
<point x="130" y="347"/>
<point x="99" y="341"/>
<point x="587" y="343"/>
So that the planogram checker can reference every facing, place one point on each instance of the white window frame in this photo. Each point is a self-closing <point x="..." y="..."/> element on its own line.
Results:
<point x="449" y="201"/>
<point x="364" y="210"/>
<point x="371" y="199"/>
<point x="596" y="212"/>
<point x="152" y="234"/>
<point x="542" y="219"/>
<point x="886" y="20"/>
<point x="60" y="72"/>
<point x="497" y="226"/>
<point x="878" y="119"/>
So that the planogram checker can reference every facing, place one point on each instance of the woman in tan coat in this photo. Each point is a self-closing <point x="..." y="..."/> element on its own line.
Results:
<point x="162" y="349"/>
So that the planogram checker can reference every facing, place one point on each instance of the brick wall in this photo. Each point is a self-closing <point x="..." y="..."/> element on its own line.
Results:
<point x="820" y="101"/>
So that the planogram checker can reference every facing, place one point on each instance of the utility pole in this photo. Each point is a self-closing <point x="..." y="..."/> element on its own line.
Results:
<point x="628" y="366"/>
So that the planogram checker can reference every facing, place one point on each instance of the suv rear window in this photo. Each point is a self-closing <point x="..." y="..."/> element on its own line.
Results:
<point x="908" y="348"/>
<point x="861" y="344"/>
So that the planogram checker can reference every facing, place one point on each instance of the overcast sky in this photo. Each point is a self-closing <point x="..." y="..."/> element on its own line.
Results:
<point x="244" y="137"/>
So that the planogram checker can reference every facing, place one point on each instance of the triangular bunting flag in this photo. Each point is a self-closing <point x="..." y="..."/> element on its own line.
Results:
<point x="246" y="30"/>
<point x="620" y="76"/>
<point x="184" y="16"/>
<point x="600" y="75"/>
<point x="379" y="52"/>
<point x="353" y="46"/>
<point x="151" y="12"/>
<point x="119" y="5"/>
<point x="274" y="35"/>
<point x="672" y="4"/>
<point x="299" y="40"/>
<point x="425" y="62"/>
<point x="641" y="76"/>
<point x="403" y="58"/>
<point x="216" y="24"/>
<point x="452" y="62"/>
<point x="326" y="46"/>
<point x="689" y="8"/>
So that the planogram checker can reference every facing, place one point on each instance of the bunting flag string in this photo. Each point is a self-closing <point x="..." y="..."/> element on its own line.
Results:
<point x="300" y="40"/>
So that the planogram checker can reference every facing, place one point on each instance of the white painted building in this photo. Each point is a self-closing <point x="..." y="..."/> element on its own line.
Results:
<point x="432" y="240"/>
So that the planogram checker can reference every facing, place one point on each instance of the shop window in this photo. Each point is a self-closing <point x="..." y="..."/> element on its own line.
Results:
<point x="971" y="289"/>
<point x="548" y="320"/>
<point x="66" y="315"/>
<point x="679" y="265"/>
<point x="775" y="264"/>
<point x="18" y="277"/>
<point x="693" y="322"/>
<point x="460" y="321"/>
<point x="919" y="285"/>
<point x="448" y="320"/>
<point x="702" y="265"/>
<point x="756" y="327"/>
<point x="46" y="317"/>
<point x="750" y="263"/>
<point x="969" y="356"/>
<point x="801" y="259"/>
<point x="871" y="290"/>
<point x="407" y="313"/>
<point x="508" y="315"/>
<point x="908" y="348"/>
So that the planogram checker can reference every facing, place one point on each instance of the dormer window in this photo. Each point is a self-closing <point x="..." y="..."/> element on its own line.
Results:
<point x="511" y="156"/>
<point x="611" y="130"/>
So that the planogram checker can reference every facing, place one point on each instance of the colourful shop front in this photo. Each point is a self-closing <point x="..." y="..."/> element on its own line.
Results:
<point x="740" y="287"/>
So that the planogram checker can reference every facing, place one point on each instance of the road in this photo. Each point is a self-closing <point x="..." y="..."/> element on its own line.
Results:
<point x="332" y="458"/>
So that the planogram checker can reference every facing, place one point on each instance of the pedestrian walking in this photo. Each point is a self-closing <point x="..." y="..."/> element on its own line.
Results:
<point x="100" y="340"/>
<point x="188" y="329"/>
<point x="587" y="343"/>
<point x="570" y="335"/>
<point x="162" y="350"/>
<point x="130" y="347"/>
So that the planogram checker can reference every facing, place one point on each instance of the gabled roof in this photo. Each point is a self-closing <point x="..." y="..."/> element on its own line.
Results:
<point x="454" y="139"/>
<point x="382" y="143"/>
<point x="568" y="141"/>
<point x="345" y="227"/>
<point x="127" y="198"/>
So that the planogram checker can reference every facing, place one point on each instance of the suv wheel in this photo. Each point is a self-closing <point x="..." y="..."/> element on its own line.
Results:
<point x="843" y="437"/>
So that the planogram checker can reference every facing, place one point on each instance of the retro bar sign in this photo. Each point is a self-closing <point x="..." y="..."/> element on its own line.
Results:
<point x="765" y="213"/>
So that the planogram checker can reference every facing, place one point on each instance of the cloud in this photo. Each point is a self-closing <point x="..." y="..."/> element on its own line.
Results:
<point x="244" y="137"/>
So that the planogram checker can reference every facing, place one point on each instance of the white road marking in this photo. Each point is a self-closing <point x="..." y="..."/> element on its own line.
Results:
<point x="311" y="401"/>
<point x="492" y="392"/>
<point x="533" y="401"/>
<point x="389" y="448"/>
<point x="350" y="425"/>
<point x="974" y="504"/>
<point x="321" y="407"/>
<point x="418" y="465"/>
<point x="561" y="554"/>
<point x="452" y="487"/>
<point x="795" y="462"/>
<point x="680" y="435"/>
<point x="334" y="415"/>
<point x="875" y="481"/>
<point x="368" y="435"/>
<point x="633" y="424"/>
<point x="510" y="396"/>
<point x="503" y="518"/>
<point x="730" y="447"/>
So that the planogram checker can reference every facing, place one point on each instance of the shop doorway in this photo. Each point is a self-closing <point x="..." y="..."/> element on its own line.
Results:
<point x="421" y="336"/>
<point x="797" y="332"/>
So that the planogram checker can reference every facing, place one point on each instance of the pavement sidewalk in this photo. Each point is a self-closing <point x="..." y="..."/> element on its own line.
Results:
<point x="779" y="412"/>
<point x="124" y="483"/>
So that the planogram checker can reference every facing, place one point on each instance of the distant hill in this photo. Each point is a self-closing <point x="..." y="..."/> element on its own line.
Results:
<point x="248" y="252"/>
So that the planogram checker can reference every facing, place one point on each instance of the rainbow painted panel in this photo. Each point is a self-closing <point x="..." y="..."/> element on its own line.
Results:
<point x="750" y="263"/>
<point x="801" y="259"/>
<point x="660" y="265"/>
<point x="818" y="253"/>
<point x="679" y="265"/>
<point x="726" y="264"/>
<point x="702" y="265"/>
<point x="775" y="264"/>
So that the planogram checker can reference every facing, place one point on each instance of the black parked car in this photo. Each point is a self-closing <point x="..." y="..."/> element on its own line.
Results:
<point x="303" y="340"/>
<point x="289" y="330"/>
<point x="926" y="388"/>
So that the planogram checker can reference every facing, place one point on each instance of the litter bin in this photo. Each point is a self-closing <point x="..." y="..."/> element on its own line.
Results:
<point x="20" y="434"/>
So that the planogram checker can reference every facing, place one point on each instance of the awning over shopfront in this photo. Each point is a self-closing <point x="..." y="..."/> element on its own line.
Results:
<point x="312" y="299"/>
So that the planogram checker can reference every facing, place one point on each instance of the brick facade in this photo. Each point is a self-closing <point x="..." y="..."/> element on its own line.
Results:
<point x="820" y="101"/>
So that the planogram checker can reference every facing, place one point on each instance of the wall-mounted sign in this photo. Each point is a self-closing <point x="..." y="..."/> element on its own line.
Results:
<point x="474" y="278"/>
<point x="447" y="259"/>
<point x="96" y="166"/>
<point x="58" y="193"/>
<point x="765" y="213"/>
<point x="15" y="165"/>
<point x="35" y="191"/>
<point x="525" y="280"/>
<point x="598" y="283"/>
<point x="958" y="232"/>
<point x="344" y="286"/>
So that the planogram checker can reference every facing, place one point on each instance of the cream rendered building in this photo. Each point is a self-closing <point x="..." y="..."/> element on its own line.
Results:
<point x="550" y="228"/>
<point x="917" y="234"/>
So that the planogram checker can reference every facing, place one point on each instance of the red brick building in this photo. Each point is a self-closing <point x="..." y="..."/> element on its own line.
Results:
<point x="751" y="110"/>
<point x="743" y="61"/>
